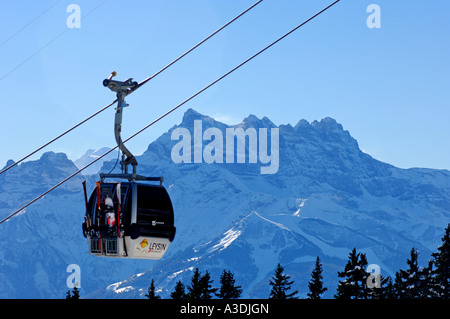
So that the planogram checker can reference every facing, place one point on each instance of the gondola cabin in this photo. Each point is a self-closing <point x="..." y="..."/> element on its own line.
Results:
<point x="129" y="220"/>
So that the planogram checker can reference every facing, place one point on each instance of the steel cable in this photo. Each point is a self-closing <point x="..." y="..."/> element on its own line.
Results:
<point x="139" y="85"/>
<point x="173" y="109"/>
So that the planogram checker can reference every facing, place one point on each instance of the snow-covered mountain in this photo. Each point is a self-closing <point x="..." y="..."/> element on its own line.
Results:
<point x="326" y="197"/>
<point x="38" y="245"/>
<point x="92" y="155"/>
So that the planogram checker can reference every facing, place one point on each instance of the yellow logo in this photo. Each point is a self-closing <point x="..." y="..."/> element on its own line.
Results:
<point x="144" y="243"/>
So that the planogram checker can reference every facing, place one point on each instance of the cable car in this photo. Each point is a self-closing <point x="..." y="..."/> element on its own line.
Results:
<point x="131" y="218"/>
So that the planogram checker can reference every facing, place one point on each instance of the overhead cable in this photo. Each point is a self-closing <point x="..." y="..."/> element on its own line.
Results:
<point x="139" y="85"/>
<point x="173" y="109"/>
<point x="47" y="44"/>
<point x="26" y="25"/>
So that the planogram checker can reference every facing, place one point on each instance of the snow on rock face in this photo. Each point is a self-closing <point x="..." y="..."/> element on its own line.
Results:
<point x="230" y="236"/>
<point x="326" y="198"/>
<point x="91" y="155"/>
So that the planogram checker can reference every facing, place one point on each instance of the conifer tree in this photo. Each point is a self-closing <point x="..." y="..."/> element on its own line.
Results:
<point x="151" y="292"/>
<point x="415" y="281"/>
<point x="442" y="266"/>
<point x="179" y="292"/>
<point x="315" y="285"/>
<point x="206" y="288"/>
<point x="281" y="285"/>
<point x="354" y="284"/>
<point x="228" y="290"/>
<point x="195" y="289"/>
<point x="75" y="294"/>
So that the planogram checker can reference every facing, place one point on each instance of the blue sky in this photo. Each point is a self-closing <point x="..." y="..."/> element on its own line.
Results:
<point x="390" y="87"/>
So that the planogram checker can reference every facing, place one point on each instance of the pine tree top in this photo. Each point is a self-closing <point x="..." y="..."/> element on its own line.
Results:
<point x="281" y="285"/>
<point x="315" y="285"/>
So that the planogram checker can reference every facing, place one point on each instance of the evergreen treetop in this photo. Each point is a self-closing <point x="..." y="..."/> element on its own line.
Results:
<point x="195" y="290"/>
<point x="354" y="283"/>
<point x="415" y="282"/>
<point x="228" y="289"/>
<point x="75" y="294"/>
<point x="315" y="285"/>
<point x="179" y="293"/>
<point x="281" y="285"/>
<point x="200" y="287"/>
<point x="442" y="266"/>
<point x="207" y="291"/>
<point x="151" y="292"/>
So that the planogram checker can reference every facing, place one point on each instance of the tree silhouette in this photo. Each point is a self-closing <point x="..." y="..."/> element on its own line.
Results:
<point x="442" y="266"/>
<point x="200" y="287"/>
<point x="414" y="282"/>
<point x="179" y="292"/>
<point x="207" y="291"/>
<point x="75" y="294"/>
<point x="354" y="283"/>
<point x="195" y="289"/>
<point x="228" y="290"/>
<point x="315" y="285"/>
<point x="151" y="292"/>
<point x="281" y="285"/>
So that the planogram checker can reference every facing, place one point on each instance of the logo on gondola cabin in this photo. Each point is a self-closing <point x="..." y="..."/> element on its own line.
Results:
<point x="144" y="243"/>
<point x="151" y="247"/>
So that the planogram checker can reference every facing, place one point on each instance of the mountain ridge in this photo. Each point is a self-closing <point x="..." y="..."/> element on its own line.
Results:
<point x="326" y="197"/>
<point x="334" y="194"/>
